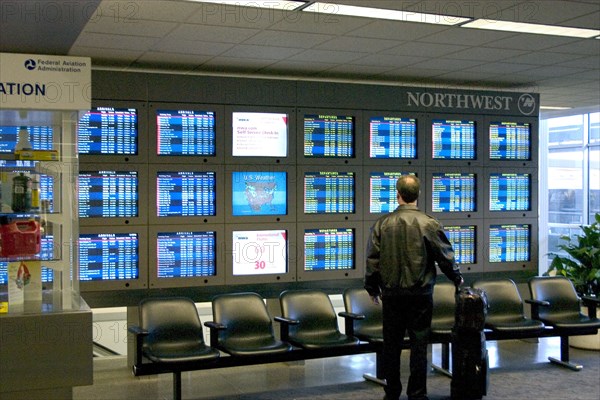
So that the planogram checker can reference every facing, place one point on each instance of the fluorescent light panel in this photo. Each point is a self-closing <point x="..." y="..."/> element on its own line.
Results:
<point x="554" y="108"/>
<point x="539" y="29"/>
<point x="381" y="13"/>
<point x="273" y="4"/>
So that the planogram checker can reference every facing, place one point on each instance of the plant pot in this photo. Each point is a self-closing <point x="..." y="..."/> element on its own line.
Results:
<point x="586" y="342"/>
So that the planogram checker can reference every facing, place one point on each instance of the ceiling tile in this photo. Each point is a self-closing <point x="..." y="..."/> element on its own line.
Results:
<point x="396" y="30"/>
<point x="129" y="27"/>
<point x="487" y="54"/>
<point x="425" y="49"/>
<point x="122" y="42"/>
<point x="266" y="52"/>
<point x="327" y="56"/>
<point x="192" y="47"/>
<point x="388" y="60"/>
<point x="287" y="39"/>
<point x="216" y="34"/>
<point x="367" y="45"/>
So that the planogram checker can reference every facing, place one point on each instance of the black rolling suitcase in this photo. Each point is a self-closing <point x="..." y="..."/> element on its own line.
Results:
<point x="469" y="355"/>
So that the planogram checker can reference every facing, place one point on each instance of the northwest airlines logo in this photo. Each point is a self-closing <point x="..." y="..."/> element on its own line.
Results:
<point x="526" y="104"/>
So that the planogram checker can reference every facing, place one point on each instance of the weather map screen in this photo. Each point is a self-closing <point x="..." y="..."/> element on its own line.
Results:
<point x="185" y="193"/>
<point x="328" y="249"/>
<point x="453" y="140"/>
<point x="329" y="193"/>
<point x="393" y="137"/>
<point x="259" y="193"/>
<point x="108" y="130"/>
<point x="185" y="133"/>
<point x="186" y="254"/>
<point x="510" y="141"/>
<point x="328" y="136"/>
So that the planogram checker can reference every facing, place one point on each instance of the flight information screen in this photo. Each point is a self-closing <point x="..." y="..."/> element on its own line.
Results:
<point x="185" y="133"/>
<point x="464" y="242"/>
<point x="185" y="193"/>
<point x="108" y="130"/>
<point x="186" y="254"/>
<point x="453" y="140"/>
<point x="108" y="256"/>
<point x="393" y="137"/>
<point x="328" y="136"/>
<point x="328" y="249"/>
<point x="510" y="141"/>
<point x="510" y="243"/>
<point x="453" y="192"/>
<point x="108" y="194"/>
<point x="510" y="192"/>
<point x="328" y="192"/>
<point x="382" y="191"/>
<point x="40" y="137"/>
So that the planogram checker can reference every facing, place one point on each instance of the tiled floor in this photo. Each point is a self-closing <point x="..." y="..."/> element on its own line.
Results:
<point x="113" y="379"/>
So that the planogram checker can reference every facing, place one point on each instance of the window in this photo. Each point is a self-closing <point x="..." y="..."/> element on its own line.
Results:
<point x="569" y="177"/>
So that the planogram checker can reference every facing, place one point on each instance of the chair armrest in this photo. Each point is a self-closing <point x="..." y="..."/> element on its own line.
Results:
<point x="139" y="335"/>
<point x="533" y="302"/>
<point x="351" y="315"/>
<point x="349" y="319"/>
<point x="284" y="327"/>
<point x="591" y="303"/>
<point x="214" y="328"/>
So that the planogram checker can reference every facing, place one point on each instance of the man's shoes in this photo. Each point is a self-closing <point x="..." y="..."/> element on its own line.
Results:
<point x="419" y="398"/>
<point x="386" y="397"/>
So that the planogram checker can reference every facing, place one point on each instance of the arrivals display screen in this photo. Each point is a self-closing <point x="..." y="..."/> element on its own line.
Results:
<point x="510" y="141"/>
<point x="328" y="136"/>
<point x="185" y="133"/>
<point x="108" y="256"/>
<point x="453" y="192"/>
<point x="186" y="254"/>
<point x="259" y="252"/>
<point x="453" y="140"/>
<point x="185" y="193"/>
<point x="40" y="137"/>
<point x="329" y="249"/>
<point x="108" y="194"/>
<point x="107" y="131"/>
<point x="393" y="137"/>
<point x="329" y="192"/>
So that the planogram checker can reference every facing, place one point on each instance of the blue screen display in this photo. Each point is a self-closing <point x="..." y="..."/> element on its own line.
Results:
<point x="108" y="194"/>
<point x="185" y="133"/>
<point x="108" y="130"/>
<point x="328" y="136"/>
<point x="186" y="254"/>
<point x="453" y="140"/>
<point x="328" y="249"/>
<point x="186" y="193"/>
<point x="382" y="191"/>
<point x="464" y="242"/>
<point x="259" y="193"/>
<point x="40" y="137"/>
<point x="510" y="141"/>
<point x="453" y="192"/>
<point x="108" y="256"/>
<point x="510" y="243"/>
<point x="329" y="192"/>
<point x="510" y="192"/>
<point x="393" y="137"/>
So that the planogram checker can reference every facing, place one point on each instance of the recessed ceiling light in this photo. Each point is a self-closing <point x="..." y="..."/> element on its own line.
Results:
<point x="539" y="29"/>
<point x="554" y="108"/>
<point x="274" y="5"/>
<point x="382" y="13"/>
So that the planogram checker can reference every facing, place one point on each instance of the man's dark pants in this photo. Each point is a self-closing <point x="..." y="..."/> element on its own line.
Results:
<point x="403" y="313"/>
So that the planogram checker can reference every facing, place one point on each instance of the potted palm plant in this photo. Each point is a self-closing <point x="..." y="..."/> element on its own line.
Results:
<point x="582" y="266"/>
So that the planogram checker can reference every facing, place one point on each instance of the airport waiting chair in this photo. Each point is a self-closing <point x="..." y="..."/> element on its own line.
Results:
<point x="555" y="302"/>
<point x="309" y="321"/>
<point x="242" y="326"/>
<point x="505" y="314"/>
<point x="442" y="322"/>
<point x="170" y="332"/>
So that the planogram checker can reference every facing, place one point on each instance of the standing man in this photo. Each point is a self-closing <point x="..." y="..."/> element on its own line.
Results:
<point x="402" y="252"/>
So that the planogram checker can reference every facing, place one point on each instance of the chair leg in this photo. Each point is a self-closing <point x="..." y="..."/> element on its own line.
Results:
<point x="564" y="356"/>
<point x="177" y="385"/>
<point x="445" y="368"/>
<point x="378" y="378"/>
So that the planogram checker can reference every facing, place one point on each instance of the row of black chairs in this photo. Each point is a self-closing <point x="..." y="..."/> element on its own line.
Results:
<point x="555" y="311"/>
<point x="169" y="337"/>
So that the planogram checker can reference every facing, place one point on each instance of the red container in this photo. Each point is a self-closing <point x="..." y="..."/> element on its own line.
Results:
<point x="20" y="238"/>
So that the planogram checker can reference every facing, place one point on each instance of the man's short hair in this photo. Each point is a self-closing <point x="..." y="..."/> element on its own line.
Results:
<point x="408" y="187"/>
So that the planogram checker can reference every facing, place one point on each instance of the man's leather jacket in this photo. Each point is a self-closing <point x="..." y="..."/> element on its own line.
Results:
<point x="402" y="252"/>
